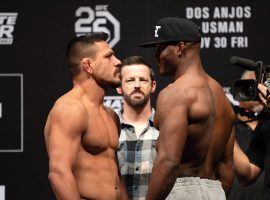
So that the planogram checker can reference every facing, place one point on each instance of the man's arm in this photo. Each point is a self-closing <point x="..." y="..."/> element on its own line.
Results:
<point x="123" y="192"/>
<point x="225" y="168"/>
<point x="63" y="143"/>
<point x="173" y="124"/>
<point x="246" y="172"/>
<point x="122" y="188"/>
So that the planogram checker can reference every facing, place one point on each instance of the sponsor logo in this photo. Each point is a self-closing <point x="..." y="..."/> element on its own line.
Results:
<point x="98" y="20"/>
<point x="156" y="30"/>
<point x="7" y="24"/>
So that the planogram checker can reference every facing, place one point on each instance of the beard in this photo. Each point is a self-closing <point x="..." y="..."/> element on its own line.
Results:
<point x="114" y="82"/>
<point x="136" y="102"/>
<point x="166" y="67"/>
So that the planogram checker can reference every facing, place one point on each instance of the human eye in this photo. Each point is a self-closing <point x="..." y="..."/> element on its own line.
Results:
<point x="129" y="80"/>
<point x="109" y="55"/>
<point x="145" y="80"/>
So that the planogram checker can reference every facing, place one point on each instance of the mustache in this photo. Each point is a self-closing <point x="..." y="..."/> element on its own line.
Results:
<point x="136" y="92"/>
<point x="117" y="71"/>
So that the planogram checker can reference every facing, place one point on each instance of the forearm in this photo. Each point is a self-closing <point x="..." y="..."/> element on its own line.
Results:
<point x="162" y="179"/>
<point x="64" y="186"/>
<point x="241" y="165"/>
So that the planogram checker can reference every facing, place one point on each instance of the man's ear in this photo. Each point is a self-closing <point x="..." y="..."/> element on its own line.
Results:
<point x="180" y="48"/>
<point x="87" y="65"/>
<point x="119" y="90"/>
<point x="154" y="85"/>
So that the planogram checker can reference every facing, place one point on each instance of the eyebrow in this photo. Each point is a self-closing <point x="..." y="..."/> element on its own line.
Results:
<point x="109" y="53"/>
<point x="140" y="77"/>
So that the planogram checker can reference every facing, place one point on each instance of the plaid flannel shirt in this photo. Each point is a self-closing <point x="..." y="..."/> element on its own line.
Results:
<point x="136" y="157"/>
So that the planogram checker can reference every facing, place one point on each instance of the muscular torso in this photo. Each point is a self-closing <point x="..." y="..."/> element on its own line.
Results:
<point x="210" y="121"/>
<point x="94" y="168"/>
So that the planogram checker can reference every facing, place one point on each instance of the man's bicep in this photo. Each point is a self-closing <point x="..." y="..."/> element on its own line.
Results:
<point x="173" y="124"/>
<point x="64" y="140"/>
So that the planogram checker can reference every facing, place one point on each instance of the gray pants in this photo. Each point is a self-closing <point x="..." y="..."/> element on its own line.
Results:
<point x="195" y="188"/>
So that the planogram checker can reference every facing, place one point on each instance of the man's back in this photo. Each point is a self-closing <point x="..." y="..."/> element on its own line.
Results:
<point x="205" y="145"/>
<point x="198" y="98"/>
<point x="219" y="161"/>
<point x="210" y="121"/>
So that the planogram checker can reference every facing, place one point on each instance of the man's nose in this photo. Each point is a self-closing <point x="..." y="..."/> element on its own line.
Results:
<point x="137" y="84"/>
<point x="117" y="62"/>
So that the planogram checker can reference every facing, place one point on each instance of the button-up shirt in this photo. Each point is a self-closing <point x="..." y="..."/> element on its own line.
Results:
<point x="136" y="157"/>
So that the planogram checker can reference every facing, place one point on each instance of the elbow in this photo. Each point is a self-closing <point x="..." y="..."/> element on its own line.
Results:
<point x="245" y="176"/>
<point x="57" y="173"/>
<point x="245" y="181"/>
<point x="54" y="174"/>
<point x="171" y="162"/>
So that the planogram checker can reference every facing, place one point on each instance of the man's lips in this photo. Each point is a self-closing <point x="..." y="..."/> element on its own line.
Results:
<point x="137" y="93"/>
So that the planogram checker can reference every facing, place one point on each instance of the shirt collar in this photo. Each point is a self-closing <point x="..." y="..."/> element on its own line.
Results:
<point x="150" y="120"/>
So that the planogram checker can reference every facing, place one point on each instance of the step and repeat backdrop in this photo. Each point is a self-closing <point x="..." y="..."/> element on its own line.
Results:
<point x="33" y="73"/>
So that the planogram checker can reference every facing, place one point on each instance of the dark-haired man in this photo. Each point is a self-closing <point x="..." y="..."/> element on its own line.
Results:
<point x="136" y="153"/>
<point x="194" y="118"/>
<point x="81" y="134"/>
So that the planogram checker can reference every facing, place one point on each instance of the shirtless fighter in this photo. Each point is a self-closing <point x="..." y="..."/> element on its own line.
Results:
<point x="195" y="120"/>
<point x="81" y="134"/>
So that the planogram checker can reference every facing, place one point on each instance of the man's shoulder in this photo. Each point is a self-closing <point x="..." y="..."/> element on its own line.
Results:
<point x="67" y="106"/>
<point x="111" y="112"/>
<point x="178" y="92"/>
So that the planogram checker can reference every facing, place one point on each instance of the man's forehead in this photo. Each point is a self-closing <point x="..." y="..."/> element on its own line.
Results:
<point x="134" y="69"/>
<point x="103" y="46"/>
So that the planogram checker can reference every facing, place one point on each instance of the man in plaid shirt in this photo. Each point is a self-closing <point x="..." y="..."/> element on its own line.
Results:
<point x="136" y="153"/>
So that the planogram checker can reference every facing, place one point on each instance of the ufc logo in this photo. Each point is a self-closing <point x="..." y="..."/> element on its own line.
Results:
<point x="156" y="30"/>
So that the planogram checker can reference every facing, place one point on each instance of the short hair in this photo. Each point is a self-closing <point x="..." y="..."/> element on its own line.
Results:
<point x="139" y="60"/>
<point x="80" y="47"/>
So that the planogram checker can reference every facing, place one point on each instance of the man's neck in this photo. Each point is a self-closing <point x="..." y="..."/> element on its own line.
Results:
<point x="136" y="115"/>
<point x="91" y="90"/>
<point x="190" y="63"/>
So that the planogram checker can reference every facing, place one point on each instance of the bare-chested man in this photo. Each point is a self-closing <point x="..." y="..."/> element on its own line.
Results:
<point x="194" y="118"/>
<point x="81" y="134"/>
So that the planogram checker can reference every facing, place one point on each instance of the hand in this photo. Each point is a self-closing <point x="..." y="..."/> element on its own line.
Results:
<point x="264" y="95"/>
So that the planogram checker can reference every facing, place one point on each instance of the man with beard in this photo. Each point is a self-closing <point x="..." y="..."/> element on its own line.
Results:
<point x="195" y="120"/>
<point x="81" y="134"/>
<point x="136" y="153"/>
